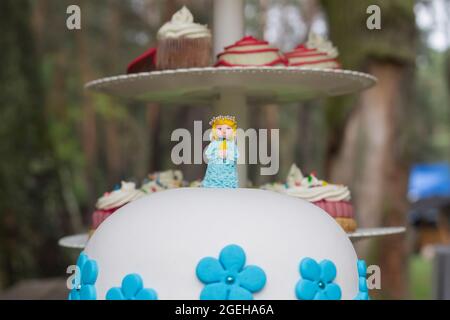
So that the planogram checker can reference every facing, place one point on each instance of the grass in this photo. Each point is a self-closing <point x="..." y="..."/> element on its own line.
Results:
<point x="420" y="277"/>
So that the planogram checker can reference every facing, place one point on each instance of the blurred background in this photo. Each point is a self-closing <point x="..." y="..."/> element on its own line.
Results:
<point x="62" y="147"/>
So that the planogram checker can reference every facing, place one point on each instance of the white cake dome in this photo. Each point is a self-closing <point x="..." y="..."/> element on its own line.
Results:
<point x="161" y="238"/>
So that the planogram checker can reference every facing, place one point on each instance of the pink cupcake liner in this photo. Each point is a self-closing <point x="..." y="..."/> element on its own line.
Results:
<point x="336" y="209"/>
<point x="101" y="215"/>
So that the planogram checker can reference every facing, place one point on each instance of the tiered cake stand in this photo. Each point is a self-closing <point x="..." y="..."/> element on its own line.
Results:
<point x="230" y="90"/>
<point x="207" y="86"/>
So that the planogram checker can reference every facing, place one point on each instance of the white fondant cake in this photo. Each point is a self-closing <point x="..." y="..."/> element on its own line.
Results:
<point x="162" y="237"/>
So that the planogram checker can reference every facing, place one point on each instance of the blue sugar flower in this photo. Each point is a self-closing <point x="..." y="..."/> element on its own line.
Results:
<point x="227" y="278"/>
<point x="363" y="293"/>
<point x="317" y="281"/>
<point x="84" y="281"/>
<point x="132" y="289"/>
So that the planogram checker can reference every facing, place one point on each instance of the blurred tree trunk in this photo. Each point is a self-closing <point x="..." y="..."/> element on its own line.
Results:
<point x="57" y="105"/>
<point x="447" y="67"/>
<point x="368" y="141"/>
<point x="30" y="201"/>
<point x="112" y="148"/>
<point x="39" y="15"/>
<point x="153" y="120"/>
<point x="89" y="123"/>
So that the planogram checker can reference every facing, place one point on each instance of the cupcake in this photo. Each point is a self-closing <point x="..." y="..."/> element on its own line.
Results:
<point x="183" y="43"/>
<point x="250" y="51"/>
<point x="334" y="199"/>
<point x="160" y="181"/>
<point x="316" y="53"/>
<point x="110" y="202"/>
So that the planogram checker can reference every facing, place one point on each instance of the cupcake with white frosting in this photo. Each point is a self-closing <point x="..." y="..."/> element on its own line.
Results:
<point x="317" y="53"/>
<point x="110" y="202"/>
<point x="163" y="180"/>
<point x="182" y="43"/>
<point x="332" y="198"/>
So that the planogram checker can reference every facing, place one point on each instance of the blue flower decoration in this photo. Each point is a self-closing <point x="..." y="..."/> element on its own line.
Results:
<point x="362" y="282"/>
<point x="317" y="281"/>
<point x="84" y="280"/>
<point x="227" y="278"/>
<point x="132" y="289"/>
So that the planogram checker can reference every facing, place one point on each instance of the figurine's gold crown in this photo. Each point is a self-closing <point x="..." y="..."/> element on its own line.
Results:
<point x="228" y="120"/>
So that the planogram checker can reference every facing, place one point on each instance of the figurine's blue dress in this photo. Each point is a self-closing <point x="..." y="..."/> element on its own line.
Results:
<point x="221" y="173"/>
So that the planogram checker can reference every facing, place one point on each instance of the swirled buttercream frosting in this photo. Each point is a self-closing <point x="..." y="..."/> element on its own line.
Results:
<point x="312" y="189"/>
<point x="182" y="25"/>
<point x="321" y="44"/>
<point x="317" y="193"/>
<point x="317" y="52"/>
<point x="119" y="197"/>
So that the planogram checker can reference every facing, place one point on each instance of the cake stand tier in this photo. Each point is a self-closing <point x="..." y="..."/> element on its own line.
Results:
<point x="79" y="241"/>
<point x="76" y="241"/>
<point x="258" y="84"/>
<point x="366" y="233"/>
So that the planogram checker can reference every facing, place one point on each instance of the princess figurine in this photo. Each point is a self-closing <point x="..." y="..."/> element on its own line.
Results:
<point x="222" y="154"/>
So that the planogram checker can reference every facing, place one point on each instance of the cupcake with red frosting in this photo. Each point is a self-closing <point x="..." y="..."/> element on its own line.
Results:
<point x="110" y="202"/>
<point x="250" y="51"/>
<point x="317" y="52"/>
<point x="332" y="198"/>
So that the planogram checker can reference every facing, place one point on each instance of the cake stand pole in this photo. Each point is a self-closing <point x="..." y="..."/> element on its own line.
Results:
<point x="228" y="28"/>
<point x="232" y="101"/>
<point x="228" y="24"/>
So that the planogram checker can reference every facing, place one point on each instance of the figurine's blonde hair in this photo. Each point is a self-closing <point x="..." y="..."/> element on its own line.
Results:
<point x="222" y="120"/>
